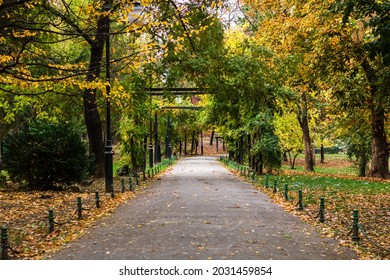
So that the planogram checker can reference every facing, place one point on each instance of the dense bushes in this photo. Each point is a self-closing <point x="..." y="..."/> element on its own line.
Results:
<point x="328" y="150"/>
<point x="45" y="156"/>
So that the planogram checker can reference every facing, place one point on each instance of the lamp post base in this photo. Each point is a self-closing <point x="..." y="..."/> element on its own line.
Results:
<point x="109" y="176"/>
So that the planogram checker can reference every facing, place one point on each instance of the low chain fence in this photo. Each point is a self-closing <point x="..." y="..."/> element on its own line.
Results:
<point x="86" y="202"/>
<point x="343" y="223"/>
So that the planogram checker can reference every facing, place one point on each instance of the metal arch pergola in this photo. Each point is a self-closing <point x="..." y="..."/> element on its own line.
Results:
<point x="176" y="91"/>
<point x="159" y="91"/>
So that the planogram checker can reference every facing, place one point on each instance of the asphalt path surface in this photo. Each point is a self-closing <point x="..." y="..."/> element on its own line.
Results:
<point x="200" y="210"/>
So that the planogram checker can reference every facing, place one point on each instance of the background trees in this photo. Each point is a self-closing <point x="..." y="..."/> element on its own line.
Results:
<point x="281" y="60"/>
<point x="335" y="47"/>
<point x="370" y="57"/>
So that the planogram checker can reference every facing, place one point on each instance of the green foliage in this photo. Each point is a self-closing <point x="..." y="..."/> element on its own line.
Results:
<point x="286" y="128"/>
<point x="3" y="178"/>
<point x="243" y="88"/>
<point x="134" y="121"/>
<point x="376" y="15"/>
<point x="328" y="150"/>
<point x="359" y="147"/>
<point x="45" y="156"/>
<point x="267" y="143"/>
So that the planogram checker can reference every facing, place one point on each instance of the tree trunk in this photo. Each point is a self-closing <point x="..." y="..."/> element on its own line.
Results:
<point x="145" y="153"/>
<point x="231" y="155"/>
<point x="380" y="147"/>
<point x="133" y="156"/>
<point x="285" y="159"/>
<point x="212" y="137"/>
<point x="185" y="144"/>
<point x="304" y="123"/>
<point x="91" y="113"/>
<point x="249" y="146"/>
<point x="293" y="161"/>
<point x="260" y="164"/>
<point x="201" y="143"/>
<point x="157" y="157"/>
<point x="241" y="150"/>
<point x="193" y="142"/>
<point x="363" y="160"/>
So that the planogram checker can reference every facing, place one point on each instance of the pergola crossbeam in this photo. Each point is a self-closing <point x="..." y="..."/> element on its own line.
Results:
<point x="183" y="107"/>
<point x="176" y="91"/>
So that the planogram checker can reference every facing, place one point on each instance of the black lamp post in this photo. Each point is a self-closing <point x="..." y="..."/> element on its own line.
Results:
<point x="157" y="148"/>
<point x="169" y="145"/>
<point x="108" y="154"/>
<point x="150" y="136"/>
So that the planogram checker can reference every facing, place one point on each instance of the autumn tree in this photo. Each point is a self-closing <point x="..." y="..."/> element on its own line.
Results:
<point x="313" y="33"/>
<point x="369" y="55"/>
<point x="57" y="48"/>
<point x="286" y="29"/>
<point x="36" y="66"/>
<point x="290" y="137"/>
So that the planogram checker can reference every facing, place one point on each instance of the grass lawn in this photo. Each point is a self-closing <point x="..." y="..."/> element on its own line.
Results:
<point x="343" y="192"/>
<point x="338" y="164"/>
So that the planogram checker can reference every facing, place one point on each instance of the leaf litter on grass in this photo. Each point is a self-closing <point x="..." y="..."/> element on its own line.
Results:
<point x="342" y="194"/>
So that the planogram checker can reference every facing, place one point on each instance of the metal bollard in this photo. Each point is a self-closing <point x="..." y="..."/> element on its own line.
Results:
<point x="355" y="226"/>
<point x="51" y="221"/>
<point x="267" y="180"/>
<point x="4" y="243"/>
<point x="322" y="210"/>
<point x="97" y="200"/>
<point x="136" y="179"/>
<point x="149" y="173"/>
<point x="123" y="185"/>
<point x="286" y="191"/>
<point x="131" y="183"/>
<point x="300" y="200"/>
<point x="79" y="208"/>
<point x="112" y="191"/>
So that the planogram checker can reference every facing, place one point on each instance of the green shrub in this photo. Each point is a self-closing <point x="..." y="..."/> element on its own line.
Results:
<point x="3" y="178"/>
<point x="45" y="156"/>
<point x="328" y="150"/>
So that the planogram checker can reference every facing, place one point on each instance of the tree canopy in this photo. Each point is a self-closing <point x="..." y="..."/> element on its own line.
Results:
<point x="276" y="73"/>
